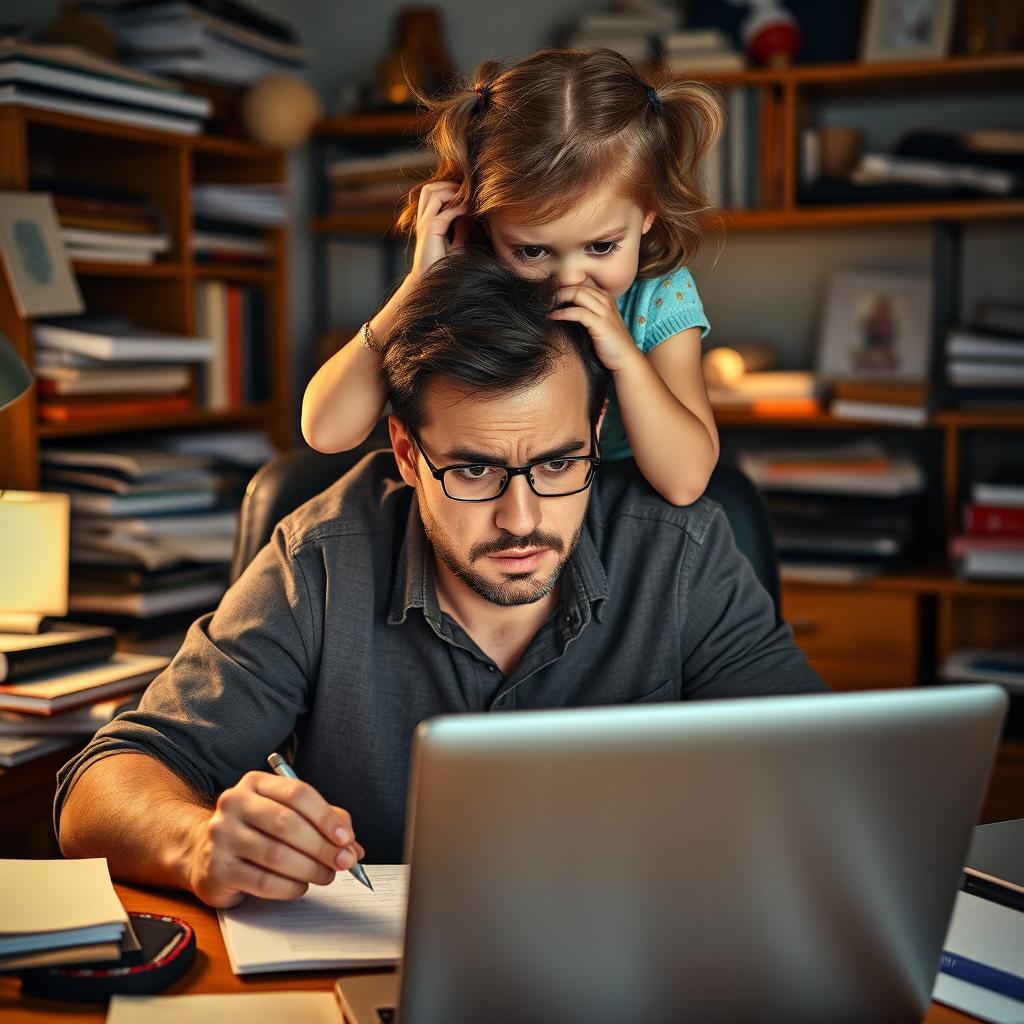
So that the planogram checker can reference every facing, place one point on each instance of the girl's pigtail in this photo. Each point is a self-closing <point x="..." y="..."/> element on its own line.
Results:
<point x="693" y="120"/>
<point x="452" y="127"/>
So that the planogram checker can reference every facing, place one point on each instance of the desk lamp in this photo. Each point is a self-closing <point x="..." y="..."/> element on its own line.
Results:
<point x="34" y="532"/>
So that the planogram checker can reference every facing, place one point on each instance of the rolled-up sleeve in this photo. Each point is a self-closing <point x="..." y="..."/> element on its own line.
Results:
<point x="733" y="645"/>
<point x="235" y="689"/>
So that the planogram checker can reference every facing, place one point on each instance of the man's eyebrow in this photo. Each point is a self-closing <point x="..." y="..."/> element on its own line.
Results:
<point x="603" y="237"/>
<point x="471" y="457"/>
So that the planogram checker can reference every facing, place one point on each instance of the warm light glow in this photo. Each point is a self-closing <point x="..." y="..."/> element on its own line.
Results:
<point x="34" y="529"/>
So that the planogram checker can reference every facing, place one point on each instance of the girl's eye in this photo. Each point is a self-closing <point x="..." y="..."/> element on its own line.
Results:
<point x="529" y="253"/>
<point x="604" y="248"/>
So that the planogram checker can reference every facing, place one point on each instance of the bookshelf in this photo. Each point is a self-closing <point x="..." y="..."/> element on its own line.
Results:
<point x="162" y="167"/>
<point x="896" y="629"/>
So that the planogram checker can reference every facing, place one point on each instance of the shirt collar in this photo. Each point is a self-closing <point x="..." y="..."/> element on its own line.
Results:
<point x="584" y="581"/>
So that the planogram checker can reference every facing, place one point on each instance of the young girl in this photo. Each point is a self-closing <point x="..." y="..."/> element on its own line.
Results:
<point x="571" y="165"/>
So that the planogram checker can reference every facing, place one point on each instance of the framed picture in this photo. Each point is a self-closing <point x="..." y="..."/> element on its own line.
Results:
<point x="877" y="326"/>
<point x="38" y="269"/>
<point x="907" y="29"/>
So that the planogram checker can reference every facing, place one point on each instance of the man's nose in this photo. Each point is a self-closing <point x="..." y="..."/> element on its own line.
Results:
<point x="518" y="509"/>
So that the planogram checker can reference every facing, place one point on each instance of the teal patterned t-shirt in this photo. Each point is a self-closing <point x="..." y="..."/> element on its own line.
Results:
<point x="652" y="310"/>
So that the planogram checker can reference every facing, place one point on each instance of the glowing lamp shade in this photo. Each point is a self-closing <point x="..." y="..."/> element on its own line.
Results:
<point x="34" y="530"/>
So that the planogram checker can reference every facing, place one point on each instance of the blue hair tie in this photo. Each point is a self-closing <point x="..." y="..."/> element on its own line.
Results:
<point x="654" y="99"/>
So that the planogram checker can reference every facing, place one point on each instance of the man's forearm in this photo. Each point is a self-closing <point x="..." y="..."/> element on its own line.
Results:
<point x="133" y="810"/>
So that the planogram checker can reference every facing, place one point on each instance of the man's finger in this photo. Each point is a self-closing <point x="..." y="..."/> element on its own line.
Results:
<point x="286" y="825"/>
<point x="333" y="824"/>
<point x="279" y="858"/>
<point x="257" y="881"/>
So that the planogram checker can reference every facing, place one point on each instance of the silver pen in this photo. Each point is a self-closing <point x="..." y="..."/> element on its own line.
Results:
<point x="283" y="768"/>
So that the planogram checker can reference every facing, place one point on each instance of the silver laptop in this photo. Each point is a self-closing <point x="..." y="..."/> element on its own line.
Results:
<point x="774" y="859"/>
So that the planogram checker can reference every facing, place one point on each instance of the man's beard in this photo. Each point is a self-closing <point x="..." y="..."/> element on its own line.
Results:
<point x="517" y="588"/>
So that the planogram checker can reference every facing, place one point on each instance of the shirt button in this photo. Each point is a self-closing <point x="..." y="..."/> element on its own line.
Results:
<point x="490" y="668"/>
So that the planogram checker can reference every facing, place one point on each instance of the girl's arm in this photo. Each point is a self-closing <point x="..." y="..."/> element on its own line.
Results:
<point x="664" y="405"/>
<point x="346" y="396"/>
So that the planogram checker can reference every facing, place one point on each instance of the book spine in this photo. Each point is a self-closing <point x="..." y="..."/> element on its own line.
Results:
<point x="990" y="520"/>
<point x="22" y="664"/>
<point x="235" y="348"/>
<point x="977" y="973"/>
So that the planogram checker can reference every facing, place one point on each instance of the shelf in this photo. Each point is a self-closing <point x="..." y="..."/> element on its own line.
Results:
<point x="924" y="580"/>
<point x="370" y="125"/>
<point x="229" y="272"/>
<point x="872" y="214"/>
<point x="376" y="223"/>
<point x="947" y="418"/>
<point x="172" y="421"/>
<point x="160" y="271"/>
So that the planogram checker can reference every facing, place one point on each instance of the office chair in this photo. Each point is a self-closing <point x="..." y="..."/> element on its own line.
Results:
<point x="291" y="479"/>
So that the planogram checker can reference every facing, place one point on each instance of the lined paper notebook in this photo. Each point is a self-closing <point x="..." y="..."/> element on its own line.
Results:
<point x="341" y="925"/>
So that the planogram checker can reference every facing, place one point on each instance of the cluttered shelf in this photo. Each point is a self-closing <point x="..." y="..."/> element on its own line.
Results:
<point x="160" y="421"/>
<point x="856" y="216"/>
<point x="962" y="419"/>
<point x="923" y="580"/>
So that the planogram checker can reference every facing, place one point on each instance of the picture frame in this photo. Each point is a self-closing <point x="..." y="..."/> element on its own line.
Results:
<point x="907" y="30"/>
<point x="34" y="258"/>
<point x="877" y="325"/>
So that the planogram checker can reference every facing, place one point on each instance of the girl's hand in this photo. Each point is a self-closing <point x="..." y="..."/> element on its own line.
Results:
<point x="597" y="312"/>
<point x="433" y="219"/>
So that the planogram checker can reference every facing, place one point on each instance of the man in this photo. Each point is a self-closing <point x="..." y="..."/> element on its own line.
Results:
<point x="497" y="569"/>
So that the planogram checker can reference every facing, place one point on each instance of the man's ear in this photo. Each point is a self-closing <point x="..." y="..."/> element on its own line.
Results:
<point x="405" y="451"/>
<point x="649" y="219"/>
<point x="600" y="421"/>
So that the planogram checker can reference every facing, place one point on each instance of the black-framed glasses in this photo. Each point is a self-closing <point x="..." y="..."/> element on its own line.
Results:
<point x="485" y="481"/>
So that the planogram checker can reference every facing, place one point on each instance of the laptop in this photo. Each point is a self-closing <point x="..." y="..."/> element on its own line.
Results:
<point x="772" y="859"/>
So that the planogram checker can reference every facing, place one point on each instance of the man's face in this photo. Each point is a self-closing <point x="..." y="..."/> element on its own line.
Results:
<point x="511" y="550"/>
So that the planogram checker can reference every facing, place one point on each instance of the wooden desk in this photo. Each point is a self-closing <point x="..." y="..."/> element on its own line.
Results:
<point x="211" y="971"/>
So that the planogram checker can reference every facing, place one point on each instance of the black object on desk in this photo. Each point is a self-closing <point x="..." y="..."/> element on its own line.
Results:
<point x="167" y="949"/>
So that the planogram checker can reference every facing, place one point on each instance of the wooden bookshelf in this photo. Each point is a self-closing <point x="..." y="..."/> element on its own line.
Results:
<point x="162" y="167"/>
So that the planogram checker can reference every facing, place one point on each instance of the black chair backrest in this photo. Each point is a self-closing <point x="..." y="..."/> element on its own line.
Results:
<point x="291" y="479"/>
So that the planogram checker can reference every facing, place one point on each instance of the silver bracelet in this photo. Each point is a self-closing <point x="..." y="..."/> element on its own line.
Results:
<point x="367" y="336"/>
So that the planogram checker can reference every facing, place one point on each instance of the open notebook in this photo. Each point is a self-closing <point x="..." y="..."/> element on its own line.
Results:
<point x="341" y="925"/>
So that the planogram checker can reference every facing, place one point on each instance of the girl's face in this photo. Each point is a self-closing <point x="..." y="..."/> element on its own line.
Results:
<point x="596" y="244"/>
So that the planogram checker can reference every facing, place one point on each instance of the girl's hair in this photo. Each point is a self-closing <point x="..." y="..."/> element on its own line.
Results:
<point x="534" y="139"/>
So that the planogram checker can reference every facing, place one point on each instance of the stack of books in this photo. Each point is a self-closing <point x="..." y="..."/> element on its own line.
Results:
<point x="77" y="81"/>
<point x="150" y="535"/>
<point x="881" y="401"/>
<point x="628" y="28"/>
<point x="985" y="361"/>
<point x="104" y="224"/>
<point x="839" y="512"/>
<point x="224" y="42"/>
<point x="214" y="242"/>
<point x="377" y="184"/>
<point x="700" y="51"/>
<point x="105" y="367"/>
<point x="986" y="665"/>
<point x="60" y="912"/>
<point x="234" y="318"/>
<point x="769" y="393"/>
<point x="259" y="206"/>
<point x="992" y="544"/>
<point x="61" y="685"/>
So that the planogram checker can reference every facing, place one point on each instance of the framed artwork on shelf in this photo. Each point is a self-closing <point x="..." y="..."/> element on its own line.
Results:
<point x="907" y="30"/>
<point x="37" y="266"/>
<point x="876" y="326"/>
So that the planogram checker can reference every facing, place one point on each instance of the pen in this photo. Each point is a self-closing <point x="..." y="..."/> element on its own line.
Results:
<point x="976" y="973"/>
<point x="283" y="768"/>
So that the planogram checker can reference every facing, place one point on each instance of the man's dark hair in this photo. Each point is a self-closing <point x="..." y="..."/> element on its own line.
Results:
<point x="472" y="320"/>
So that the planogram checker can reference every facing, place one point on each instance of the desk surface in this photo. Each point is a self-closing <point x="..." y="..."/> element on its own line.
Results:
<point x="211" y="971"/>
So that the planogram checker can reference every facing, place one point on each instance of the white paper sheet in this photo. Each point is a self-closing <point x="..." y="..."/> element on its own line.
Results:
<point x="236" y="1008"/>
<point x="339" y="925"/>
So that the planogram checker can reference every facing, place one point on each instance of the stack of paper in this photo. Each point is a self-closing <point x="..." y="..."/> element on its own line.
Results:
<point x="59" y="911"/>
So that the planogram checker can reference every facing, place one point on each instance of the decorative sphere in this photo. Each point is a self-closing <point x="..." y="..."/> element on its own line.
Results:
<point x="280" y="111"/>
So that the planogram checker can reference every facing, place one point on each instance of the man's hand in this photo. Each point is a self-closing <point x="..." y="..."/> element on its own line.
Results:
<point x="433" y="219"/>
<point x="600" y="315"/>
<point x="269" y="837"/>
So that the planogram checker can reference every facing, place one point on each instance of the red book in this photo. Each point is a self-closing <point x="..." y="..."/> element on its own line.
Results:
<point x="235" y="383"/>
<point x="995" y="520"/>
<point x="960" y="546"/>
<point x="112" y="408"/>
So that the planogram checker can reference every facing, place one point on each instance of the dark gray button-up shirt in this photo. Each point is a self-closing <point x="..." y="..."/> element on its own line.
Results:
<point x="334" y="631"/>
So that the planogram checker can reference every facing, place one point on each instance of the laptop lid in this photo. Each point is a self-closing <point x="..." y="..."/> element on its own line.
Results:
<point x="783" y="858"/>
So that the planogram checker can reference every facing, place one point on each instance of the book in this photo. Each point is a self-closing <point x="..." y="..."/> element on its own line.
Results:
<point x="116" y="338"/>
<point x="890" y="167"/>
<point x="696" y="39"/>
<point x="16" y="94"/>
<point x="71" y="688"/>
<point x="82" y="721"/>
<point x="879" y="412"/>
<point x="994" y="862"/>
<point x="71" y="380"/>
<point x="994" y="520"/>
<point x="225" y="1008"/>
<point x="24" y="655"/>
<point x="56" y="904"/>
<point x="15" y="750"/>
<point x="183" y="500"/>
<point x="1000" y="316"/>
<point x="126" y="240"/>
<point x="185" y="524"/>
<point x="1005" y="487"/>
<point x="337" y="926"/>
<point x="48" y="74"/>
<point x="137" y="463"/>
<point x="111" y="407"/>
<point x="84" y="254"/>
<point x="989" y="558"/>
<point x="968" y="344"/>
<point x="146" y="604"/>
<point x="703" y="63"/>
<point x="978" y="665"/>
